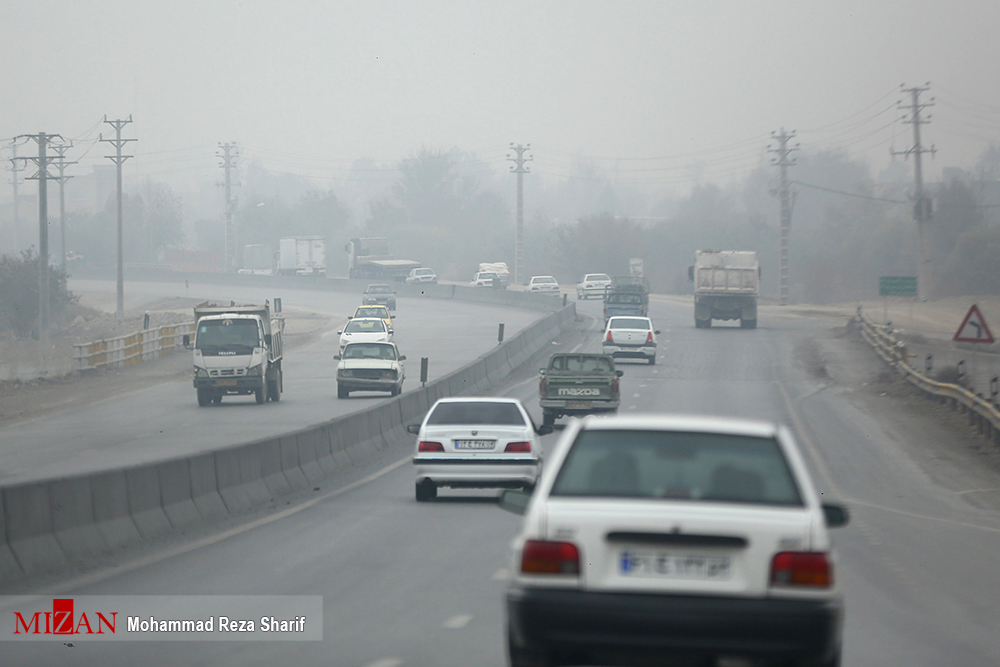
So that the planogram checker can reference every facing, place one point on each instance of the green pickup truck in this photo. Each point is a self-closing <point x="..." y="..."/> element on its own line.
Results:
<point x="578" y="383"/>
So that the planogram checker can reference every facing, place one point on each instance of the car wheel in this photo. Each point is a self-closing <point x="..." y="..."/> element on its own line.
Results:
<point x="425" y="491"/>
<point x="217" y="399"/>
<point x="548" y="418"/>
<point x="342" y="391"/>
<point x="652" y="360"/>
<point x="394" y="391"/>
<point x="204" y="398"/>
<point x="526" y="656"/>
<point x="259" y="396"/>
<point x="273" y="393"/>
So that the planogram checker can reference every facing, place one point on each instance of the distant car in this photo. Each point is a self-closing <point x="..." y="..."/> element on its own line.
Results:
<point x="365" y="330"/>
<point x="418" y="276"/>
<point x="578" y="383"/>
<point x="630" y="338"/>
<point x="380" y="312"/>
<point x="593" y="284"/>
<point x="476" y="443"/>
<point x="379" y="293"/>
<point x="487" y="279"/>
<point x="543" y="285"/>
<point x="370" y="367"/>
<point x="649" y="539"/>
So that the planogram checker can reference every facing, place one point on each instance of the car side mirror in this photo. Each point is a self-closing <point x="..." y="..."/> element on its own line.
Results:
<point x="391" y="332"/>
<point x="340" y="332"/>
<point x="350" y="317"/>
<point x="657" y="332"/>
<point x="541" y="371"/>
<point x="267" y="340"/>
<point x="336" y="357"/>
<point x="544" y="429"/>
<point x="835" y="515"/>
<point x="514" y="501"/>
<point x="619" y="373"/>
<point x="187" y="341"/>
<point x="413" y="428"/>
<point x="392" y="317"/>
<point x="402" y="357"/>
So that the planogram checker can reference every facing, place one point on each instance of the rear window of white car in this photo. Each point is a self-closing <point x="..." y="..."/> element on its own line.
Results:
<point x="365" y="326"/>
<point x="630" y="323"/>
<point x="476" y="412"/>
<point x="701" y="467"/>
<point x="543" y="281"/>
<point x="597" y="276"/>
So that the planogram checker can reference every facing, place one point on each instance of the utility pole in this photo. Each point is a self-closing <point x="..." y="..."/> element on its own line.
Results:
<point x="119" y="160"/>
<point x="229" y="156"/>
<point x="42" y="162"/>
<point x="16" y="168"/>
<point x="921" y="203"/>
<point x="61" y="165"/>
<point x="783" y="162"/>
<point x="520" y="170"/>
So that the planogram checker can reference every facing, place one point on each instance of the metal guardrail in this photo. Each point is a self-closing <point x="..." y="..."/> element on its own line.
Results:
<point x="982" y="414"/>
<point x="132" y="348"/>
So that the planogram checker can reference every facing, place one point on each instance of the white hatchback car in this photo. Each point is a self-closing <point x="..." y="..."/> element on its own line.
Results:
<point x="365" y="330"/>
<point x="423" y="275"/>
<point x="630" y="338"/>
<point x="652" y="537"/>
<point x="593" y="284"/>
<point x="476" y="443"/>
<point x="543" y="285"/>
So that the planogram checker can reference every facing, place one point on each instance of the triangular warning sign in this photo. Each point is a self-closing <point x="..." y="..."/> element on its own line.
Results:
<point x="973" y="329"/>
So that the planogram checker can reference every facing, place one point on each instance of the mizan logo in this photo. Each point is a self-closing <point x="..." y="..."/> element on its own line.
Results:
<point x="62" y="621"/>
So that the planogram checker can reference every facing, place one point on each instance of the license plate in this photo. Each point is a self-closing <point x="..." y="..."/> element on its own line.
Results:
<point x="227" y="383"/>
<point x="673" y="566"/>
<point x="475" y="444"/>
<point x="579" y="405"/>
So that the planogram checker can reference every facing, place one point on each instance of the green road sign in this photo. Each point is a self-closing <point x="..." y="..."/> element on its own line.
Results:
<point x="897" y="286"/>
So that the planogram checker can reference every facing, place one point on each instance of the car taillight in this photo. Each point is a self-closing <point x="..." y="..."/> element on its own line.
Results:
<point x="542" y="385"/>
<point x="801" y="568"/>
<point x="426" y="446"/>
<point x="649" y="337"/>
<point x="542" y="557"/>
<point x="518" y="447"/>
<point x="609" y="339"/>
<point x="614" y="387"/>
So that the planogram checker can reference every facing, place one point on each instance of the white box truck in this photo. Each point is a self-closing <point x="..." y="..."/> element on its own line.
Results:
<point x="302" y="256"/>
<point x="726" y="284"/>
<point x="237" y="351"/>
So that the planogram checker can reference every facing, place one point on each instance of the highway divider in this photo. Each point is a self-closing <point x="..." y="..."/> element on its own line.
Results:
<point x="982" y="414"/>
<point x="51" y="524"/>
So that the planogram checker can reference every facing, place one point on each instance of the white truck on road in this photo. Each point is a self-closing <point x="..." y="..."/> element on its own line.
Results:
<point x="302" y="256"/>
<point x="237" y="350"/>
<point x="726" y="286"/>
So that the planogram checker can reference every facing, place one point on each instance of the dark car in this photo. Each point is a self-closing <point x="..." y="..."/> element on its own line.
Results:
<point x="379" y="293"/>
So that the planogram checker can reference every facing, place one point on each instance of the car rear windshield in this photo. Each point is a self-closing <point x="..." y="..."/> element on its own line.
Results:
<point x="365" y="326"/>
<point x="476" y="412"/>
<point x="371" y="312"/>
<point x="597" y="276"/>
<point x="630" y="323"/>
<point x="379" y="289"/>
<point x="544" y="281"/>
<point x="582" y="363"/>
<point x="703" y="467"/>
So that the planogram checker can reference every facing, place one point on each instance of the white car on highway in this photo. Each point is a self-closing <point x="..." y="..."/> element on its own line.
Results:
<point x="423" y="275"/>
<point x="476" y="443"/>
<point x="487" y="279"/>
<point x="593" y="284"/>
<point x="370" y="367"/>
<point x="650" y="538"/>
<point x="630" y="338"/>
<point x="543" y="285"/>
<point x="365" y="330"/>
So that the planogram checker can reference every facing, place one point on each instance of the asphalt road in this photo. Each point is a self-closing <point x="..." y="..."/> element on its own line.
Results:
<point x="407" y="584"/>
<point x="164" y="420"/>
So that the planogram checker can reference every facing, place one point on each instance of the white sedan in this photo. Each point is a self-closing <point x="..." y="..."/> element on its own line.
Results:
<point x="365" y="330"/>
<point x="423" y="275"/>
<point x="593" y="284"/>
<point x="543" y="285"/>
<point x="370" y="367"/>
<point x="654" y="538"/>
<point x="630" y="338"/>
<point x="476" y="443"/>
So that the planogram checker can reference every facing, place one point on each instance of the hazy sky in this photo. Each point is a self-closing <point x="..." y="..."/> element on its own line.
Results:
<point x="310" y="86"/>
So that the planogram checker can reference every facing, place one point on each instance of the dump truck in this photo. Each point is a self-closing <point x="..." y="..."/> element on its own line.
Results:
<point x="302" y="256"/>
<point x="726" y="284"/>
<point x="237" y="351"/>
<point x="369" y="258"/>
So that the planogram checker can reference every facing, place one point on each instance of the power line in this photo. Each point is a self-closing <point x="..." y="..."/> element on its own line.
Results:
<point x="119" y="160"/>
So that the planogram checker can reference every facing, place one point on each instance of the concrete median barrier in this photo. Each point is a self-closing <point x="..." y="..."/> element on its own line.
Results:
<point x="51" y="524"/>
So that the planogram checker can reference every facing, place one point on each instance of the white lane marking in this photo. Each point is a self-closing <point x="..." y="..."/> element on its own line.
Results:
<point x="89" y="579"/>
<point x="503" y="574"/>
<point x="635" y="395"/>
<point x="631" y="407"/>
<point x="641" y="386"/>
<point x="456" y="622"/>
<point x="385" y="662"/>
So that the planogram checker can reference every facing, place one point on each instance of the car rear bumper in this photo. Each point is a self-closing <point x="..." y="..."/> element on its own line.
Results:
<point x="623" y="626"/>
<point x="633" y="351"/>
<point x="566" y="406"/>
<point x="477" y="473"/>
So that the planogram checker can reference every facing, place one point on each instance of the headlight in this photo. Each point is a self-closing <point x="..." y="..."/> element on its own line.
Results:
<point x="389" y="373"/>
<point x="346" y="373"/>
<point x="256" y="370"/>
<point x="200" y="372"/>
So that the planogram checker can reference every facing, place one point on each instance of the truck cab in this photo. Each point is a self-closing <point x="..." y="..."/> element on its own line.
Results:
<point x="237" y="351"/>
